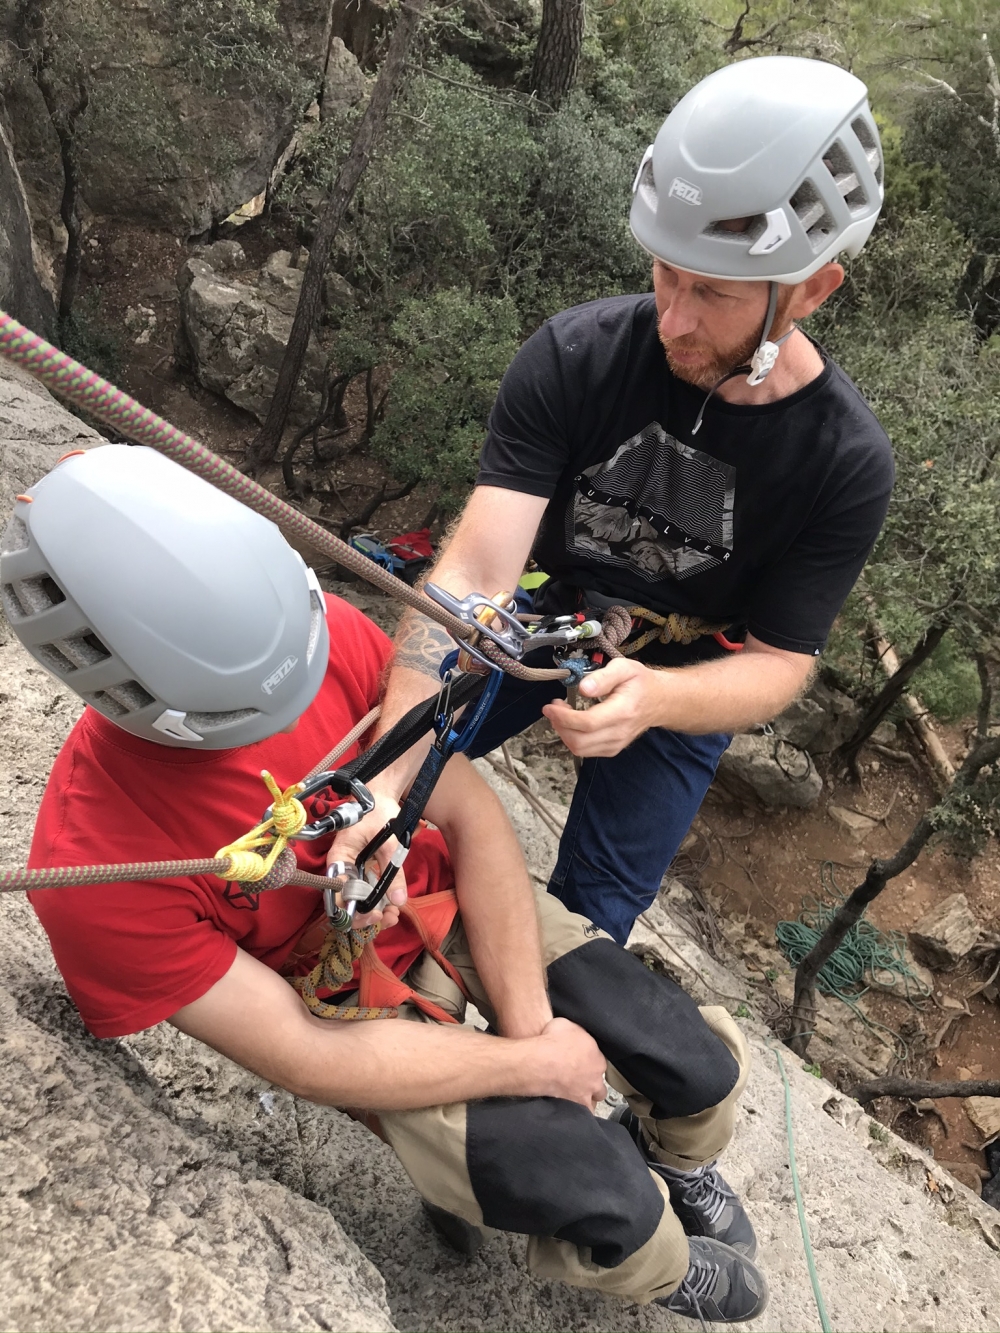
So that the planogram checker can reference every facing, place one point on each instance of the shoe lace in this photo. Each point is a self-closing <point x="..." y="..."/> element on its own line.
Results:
<point x="705" y="1190"/>
<point x="697" y="1285"/>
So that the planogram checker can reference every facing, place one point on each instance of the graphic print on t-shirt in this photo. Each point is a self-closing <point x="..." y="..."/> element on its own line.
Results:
<point x="657" y="507"/>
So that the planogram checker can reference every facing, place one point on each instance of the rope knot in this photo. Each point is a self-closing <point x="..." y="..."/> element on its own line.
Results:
<point x="288" y="816"/>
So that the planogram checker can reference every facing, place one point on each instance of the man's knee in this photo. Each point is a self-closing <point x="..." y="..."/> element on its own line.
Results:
<point x="648" y="1028"/>
<point x="547" y="1167"/>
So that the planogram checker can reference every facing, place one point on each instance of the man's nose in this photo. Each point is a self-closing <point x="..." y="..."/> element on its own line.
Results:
<point x="679" y="317"/>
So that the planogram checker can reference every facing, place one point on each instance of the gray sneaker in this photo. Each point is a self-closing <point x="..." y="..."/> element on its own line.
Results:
<point x="701" y="1199"/>
<point x="720" y="1286"/>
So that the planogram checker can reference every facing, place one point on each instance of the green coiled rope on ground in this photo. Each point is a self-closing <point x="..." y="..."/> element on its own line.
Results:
<point x="863" y="958"/>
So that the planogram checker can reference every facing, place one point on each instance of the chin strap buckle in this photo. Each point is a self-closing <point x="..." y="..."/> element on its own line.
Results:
<point x="762" y="362"/>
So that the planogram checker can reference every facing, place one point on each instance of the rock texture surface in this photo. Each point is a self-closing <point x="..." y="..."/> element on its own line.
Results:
<point x="773" y="770"/>
<point x="150" y="1184"/>
<point x="820" y="721"/>
<point x="237" y="329"/>
<point x="183" y="151"/>
<point x="21" y="292"/>
<point x="943" y="936"/>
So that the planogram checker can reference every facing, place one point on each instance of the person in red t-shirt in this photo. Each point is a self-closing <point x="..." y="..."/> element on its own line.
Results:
<point x="207" y="652"/>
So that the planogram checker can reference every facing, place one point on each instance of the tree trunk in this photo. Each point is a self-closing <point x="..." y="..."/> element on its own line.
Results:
<point x="35" y="40"/>
<point x="893" y="690"/>
<point x="881" y="870"/>
<point x="68" y="211"/>
<point x="917" y="1088"/>
<point x="364" y="515"/>
<point x="370" y="127"/>
<point x="557" y="55"/>
<point x="847" y="915"/>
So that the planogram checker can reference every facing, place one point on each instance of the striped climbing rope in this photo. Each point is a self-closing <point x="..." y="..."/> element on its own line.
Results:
<point x="101" y="399"/>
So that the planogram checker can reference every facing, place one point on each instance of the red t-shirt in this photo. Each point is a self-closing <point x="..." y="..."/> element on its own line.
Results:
<point x="132" y="954"/>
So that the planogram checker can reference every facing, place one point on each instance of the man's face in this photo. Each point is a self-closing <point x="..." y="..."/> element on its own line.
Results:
<point x="709" y="326"/>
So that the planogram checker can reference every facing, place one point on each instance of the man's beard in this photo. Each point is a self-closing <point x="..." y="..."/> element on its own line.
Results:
<point x="718" y="362"/>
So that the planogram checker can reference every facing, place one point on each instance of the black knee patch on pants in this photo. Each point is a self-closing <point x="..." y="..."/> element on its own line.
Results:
<point x="547" y="1167"/>
<point x="646" y="1025"/>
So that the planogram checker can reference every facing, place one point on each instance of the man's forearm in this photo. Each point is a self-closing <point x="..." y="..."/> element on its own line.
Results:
<point x="255" y="1018"/>
<point x="400" y="1066"/>
<point x="728" y="695"/>
<point x="497" y="904"/>
<point x="421" y="646"/>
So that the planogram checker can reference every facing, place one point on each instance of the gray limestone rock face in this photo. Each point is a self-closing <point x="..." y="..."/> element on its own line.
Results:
<point x="801" y="722"/>
<point x="150" y="1184"/>
<point x="172" y="139"/>
<point x="344" y="83"/>
<point x="943" y="937"/>
<point x="820" y="721"/>
<point x="21" y="293"/>
<point x="222" y="255"/>
<point x="34" y="433"/>
<point x="771" y="769"/>
<point x="115" y="1218"/>
<point x="237" y="331"/>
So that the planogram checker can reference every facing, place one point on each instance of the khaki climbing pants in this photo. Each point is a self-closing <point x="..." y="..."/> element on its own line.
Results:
<point x="576" y="1184"/>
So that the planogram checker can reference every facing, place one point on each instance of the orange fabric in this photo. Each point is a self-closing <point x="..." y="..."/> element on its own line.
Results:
<point x="432" y="916"/>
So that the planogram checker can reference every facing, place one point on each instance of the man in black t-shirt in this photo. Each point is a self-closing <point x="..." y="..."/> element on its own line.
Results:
<point x="693" y="456"/>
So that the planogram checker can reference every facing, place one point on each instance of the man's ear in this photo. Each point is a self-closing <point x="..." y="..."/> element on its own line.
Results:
<point x="810" y="295"/>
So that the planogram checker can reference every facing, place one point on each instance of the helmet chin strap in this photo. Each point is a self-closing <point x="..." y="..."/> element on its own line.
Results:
<point x="761" y="363"/>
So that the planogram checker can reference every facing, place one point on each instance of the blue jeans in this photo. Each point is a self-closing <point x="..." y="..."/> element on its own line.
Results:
<point x="629" y="813"/>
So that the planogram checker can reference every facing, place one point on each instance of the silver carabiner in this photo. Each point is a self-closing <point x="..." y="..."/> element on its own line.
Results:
<point x="512" y="638"/>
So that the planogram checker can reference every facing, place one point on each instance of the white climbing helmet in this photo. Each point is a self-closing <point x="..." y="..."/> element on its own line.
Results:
<point x="786" y="145"/>
<point x="170" y="607"/>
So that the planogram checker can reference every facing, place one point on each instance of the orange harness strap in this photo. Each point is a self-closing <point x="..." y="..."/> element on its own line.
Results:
<point x="432" y="917"/>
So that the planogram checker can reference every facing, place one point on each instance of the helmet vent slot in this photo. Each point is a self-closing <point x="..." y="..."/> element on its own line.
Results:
<point x="811" y="212"/>
<point x="868" y="142"/>
<point x="317" y="612"/>
<point x="203" y="722"/>
<point x="845" y="178"/>
<point x="118" y="700"/>
<point x="12" y="607"/>
<point x="743" y="230"/>
<point x="72" y="654"/>
<point x="30" y="597"/>
<point x="646" y="184"/>
<point x="15" y="537"/>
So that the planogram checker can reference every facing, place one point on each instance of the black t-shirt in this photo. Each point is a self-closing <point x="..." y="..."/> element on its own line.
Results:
<point x="764" y="518"/>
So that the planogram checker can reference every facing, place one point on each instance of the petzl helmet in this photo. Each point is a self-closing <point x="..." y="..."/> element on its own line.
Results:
<point x="168" y="606"/>
<point x="784" y="146"/>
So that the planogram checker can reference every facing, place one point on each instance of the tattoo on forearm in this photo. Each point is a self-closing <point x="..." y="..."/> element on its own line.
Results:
<point x="421" y="644"/>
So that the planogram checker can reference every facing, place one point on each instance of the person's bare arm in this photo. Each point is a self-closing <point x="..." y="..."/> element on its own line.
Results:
<point x="486" y="553"/>
<point x="495" y="897"/>
<point x="255" y="1018"/>
<point x="724" y="695"/>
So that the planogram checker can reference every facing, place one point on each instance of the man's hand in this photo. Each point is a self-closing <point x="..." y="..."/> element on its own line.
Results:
<point x="574" y="1063"/>
<point x="348" y="845"/>
<point x="630" y="694"/>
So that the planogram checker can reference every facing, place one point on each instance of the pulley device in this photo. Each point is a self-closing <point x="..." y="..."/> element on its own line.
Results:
<point x="494" y="620"/>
